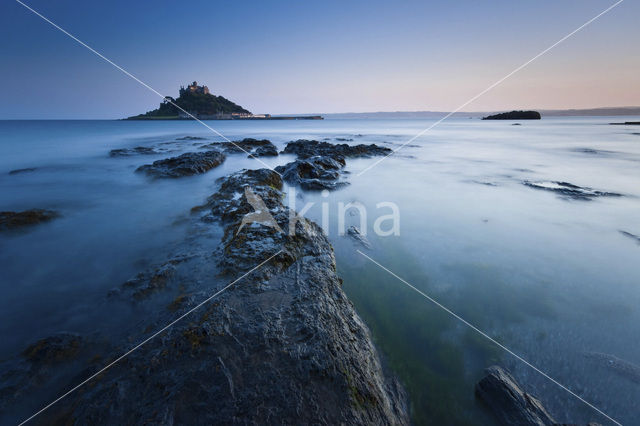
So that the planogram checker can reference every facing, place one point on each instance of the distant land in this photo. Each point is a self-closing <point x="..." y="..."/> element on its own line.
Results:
<point x="196" y="101"/>
<point x="605" y="111"/>
<point x="514" y="115"/>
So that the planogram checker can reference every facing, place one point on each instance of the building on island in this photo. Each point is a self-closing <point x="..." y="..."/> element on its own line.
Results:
<point x="194" y="88"/>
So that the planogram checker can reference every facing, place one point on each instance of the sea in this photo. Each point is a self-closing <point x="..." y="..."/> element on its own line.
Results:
<point x="472" y="261"/>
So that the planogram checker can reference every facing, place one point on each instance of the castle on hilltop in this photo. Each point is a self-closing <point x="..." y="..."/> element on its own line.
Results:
<point x="194" y="88"/>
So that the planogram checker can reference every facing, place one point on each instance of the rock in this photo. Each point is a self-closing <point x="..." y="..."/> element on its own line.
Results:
<point x="314" y="173"/>
<point x="54" y="349"/>
<point x="10" y="221"/>
<point x="26" y="170"/>
<point x="309" y="148"/>
<point x="265" y="151"/>
<point x="344" y="139"/>
<point x="190" y="138"/>
<point x="255" y="147"/>
<point x="191" y="163"/>
<point x="357" y="236"/>
<point x="627" y="123"/>
<point x="632" y="236"/>
<point x="510" y="405"/>
<point x="283" y="345"/>
<point x="569" y="190"/>
<point x="515" y="115"/>
<point x="128" y="152"/>
<point x="619" y="366"/>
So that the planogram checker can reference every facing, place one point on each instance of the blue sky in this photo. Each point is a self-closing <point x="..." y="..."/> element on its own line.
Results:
<point x="302" y="57"/>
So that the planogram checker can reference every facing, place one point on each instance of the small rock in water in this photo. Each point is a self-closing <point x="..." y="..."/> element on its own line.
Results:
<point x="128" y="152"/>
<point x="569" y="190"/>
<point x="619" y="366"/>
<point x="630" y="235"/>
<point x="10" y="221"/>
<point x="358" y="236"/>
<point x="190" y="138"/>
<point x="26" y="170"/>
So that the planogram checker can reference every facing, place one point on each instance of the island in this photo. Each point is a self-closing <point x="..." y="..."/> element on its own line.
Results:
<point x="515" y="115"/>
<point x="197" y="102"/>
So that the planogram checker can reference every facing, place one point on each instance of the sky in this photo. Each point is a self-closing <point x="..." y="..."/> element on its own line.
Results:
<point x="317" y="57"/>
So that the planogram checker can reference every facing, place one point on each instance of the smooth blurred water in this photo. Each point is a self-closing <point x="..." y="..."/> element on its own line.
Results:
<point x="550" y="278"/>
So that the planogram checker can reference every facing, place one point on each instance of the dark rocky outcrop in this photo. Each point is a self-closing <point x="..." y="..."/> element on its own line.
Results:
<point x="511" y="405"/>
<point x="191" y="163"/>
<point x="319" y="163"/>
<point x="282" y="345"/>
<point x="515" y="115"/>
<point x="309" y="148"/>
<point x="570" y="191"/>
<point x="627" y="123"/>
<point x="253" y="147"/>
<point x="10" y="221"/>
<point x="314" y="173"/>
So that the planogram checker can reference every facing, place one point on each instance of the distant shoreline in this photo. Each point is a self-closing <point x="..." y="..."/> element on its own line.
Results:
<point x="291" y="117"/>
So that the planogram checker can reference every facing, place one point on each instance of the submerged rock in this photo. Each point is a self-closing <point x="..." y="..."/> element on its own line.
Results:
<point x="569" y="190"/>
<point x="619" y="366"/>
<point x="632" y="236"/>
<point x="190" y="138"/>
<point x="128" y="152"/>
<point x="191" y="163"/>
<point x="10" y="221"/>
<point x="309" y="148"/>
<point x="25" y="170"/>
<point x="511" y="405"/>
<point x="313" y="173"/>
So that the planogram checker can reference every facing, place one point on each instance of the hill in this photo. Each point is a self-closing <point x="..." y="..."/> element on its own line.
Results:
<point x="197" y="101"/>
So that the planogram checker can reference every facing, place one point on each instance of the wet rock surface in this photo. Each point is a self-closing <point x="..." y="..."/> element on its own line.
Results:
<point x="319" y="164"/>
<point x="253" y="147"/>
<point x="570" y="191"/>
<point x="314" y="173"/>
<point x="354" y="233"/>
<point x="188" y="164"/>
<point x="12" y="221"/>
<point x="509" y="403"/>
<point x="309" y="148"/>
<point x="283" y="344"/>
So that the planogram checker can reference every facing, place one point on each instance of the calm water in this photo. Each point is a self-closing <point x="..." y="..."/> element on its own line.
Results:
<point x="551" y="278"/>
